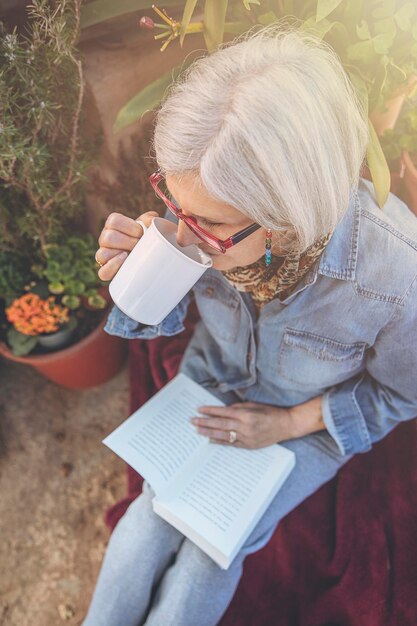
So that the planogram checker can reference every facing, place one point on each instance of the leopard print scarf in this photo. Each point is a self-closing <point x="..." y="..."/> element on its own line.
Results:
<point x="279" y="278"/>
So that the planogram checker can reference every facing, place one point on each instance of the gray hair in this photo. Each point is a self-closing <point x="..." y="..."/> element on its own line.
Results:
<point x="270" y="124"/>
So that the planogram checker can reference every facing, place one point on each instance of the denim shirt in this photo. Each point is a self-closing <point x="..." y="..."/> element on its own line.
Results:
<point x="348" y="331"/>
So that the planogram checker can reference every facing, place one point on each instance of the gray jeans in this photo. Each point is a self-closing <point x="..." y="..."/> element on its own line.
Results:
<point x="152" y="575"/>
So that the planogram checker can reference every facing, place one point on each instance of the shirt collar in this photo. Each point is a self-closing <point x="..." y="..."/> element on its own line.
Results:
<point x="340" y="256"/>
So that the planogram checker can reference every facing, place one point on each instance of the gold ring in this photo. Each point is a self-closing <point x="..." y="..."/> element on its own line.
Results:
<point x="232" y="436"/>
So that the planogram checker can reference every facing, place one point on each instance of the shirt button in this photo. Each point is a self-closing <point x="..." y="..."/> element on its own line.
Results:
<point x="249" y="356"/>
<point x="209" y="292"/>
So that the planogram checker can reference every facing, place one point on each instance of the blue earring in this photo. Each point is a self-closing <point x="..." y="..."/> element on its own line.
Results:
<point x="268" y="253"/>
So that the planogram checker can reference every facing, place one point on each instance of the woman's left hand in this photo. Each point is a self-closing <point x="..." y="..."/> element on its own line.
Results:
<point x="256" y="425"/>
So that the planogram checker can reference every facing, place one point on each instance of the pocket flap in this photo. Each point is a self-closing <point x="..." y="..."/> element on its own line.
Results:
<point x="322" y="347"/>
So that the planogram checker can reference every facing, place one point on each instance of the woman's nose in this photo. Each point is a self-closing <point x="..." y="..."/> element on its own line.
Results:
<point x="185" y="236"/>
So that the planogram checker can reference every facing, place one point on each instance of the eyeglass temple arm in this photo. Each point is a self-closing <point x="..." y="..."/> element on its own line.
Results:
<point x="247" y="231"/>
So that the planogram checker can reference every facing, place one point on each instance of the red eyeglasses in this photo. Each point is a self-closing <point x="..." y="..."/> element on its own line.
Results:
<point x="157" y="181"/>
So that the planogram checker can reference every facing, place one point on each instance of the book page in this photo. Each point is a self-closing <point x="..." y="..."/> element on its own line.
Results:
<point x="158" y="440"/>
<point x="220" y="495"/>
<point x="228" y="491"/>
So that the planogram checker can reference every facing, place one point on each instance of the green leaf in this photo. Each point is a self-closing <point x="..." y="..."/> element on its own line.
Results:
<point x="403" y="16"/>
<point x="325" y="7"/>
<point x="386" y="27"/>
<point x="186" y="17"/>
<point x="236" y="28"/>
<point x="103" y="10"/>
<point x="56" y="288"/>
<point x="20" y="344"/>
<point x="61" y="254"/>
<point x="247" y="3"/>
<point x="77" y="244"/>
<point x="362" y="30"/>
<point x="382" y="43"/>
<point x="74" y="287"/>
<point x="97" y="302"/>
<point x="50" y="248"/>
<point x="53" y="276"/>
<point x="67" y="269"/>
<point x="378" y="167"/>
<point x="361" y="51"/>
<point x="72" y="302"/>
<point x="146" y="100"/>
<point x="366" y="51"/>
<point x="90" y="292"/>
<point x="319" y="29"/>
<point x="87" y="276"/>
<point x="214" y="18"/>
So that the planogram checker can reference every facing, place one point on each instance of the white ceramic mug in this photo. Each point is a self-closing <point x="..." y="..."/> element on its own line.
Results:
<point x="157" y="273"/>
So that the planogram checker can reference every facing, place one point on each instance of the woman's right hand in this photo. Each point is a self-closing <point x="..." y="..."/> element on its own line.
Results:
<point x="118" y="237"/>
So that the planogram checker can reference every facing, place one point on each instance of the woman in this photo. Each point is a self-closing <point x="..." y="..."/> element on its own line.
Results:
<point x="308" y="321"/>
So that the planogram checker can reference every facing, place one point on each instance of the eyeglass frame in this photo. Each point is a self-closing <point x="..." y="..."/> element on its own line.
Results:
<point x="222" y="245"/>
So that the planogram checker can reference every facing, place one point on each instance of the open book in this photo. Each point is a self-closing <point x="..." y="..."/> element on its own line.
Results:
<point x="213" y="494"/>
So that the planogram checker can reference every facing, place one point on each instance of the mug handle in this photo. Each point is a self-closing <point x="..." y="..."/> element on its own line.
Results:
<point x="145" y="228"/>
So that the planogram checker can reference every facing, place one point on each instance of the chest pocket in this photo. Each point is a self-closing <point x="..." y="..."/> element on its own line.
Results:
<point x="315" y="361"/>
<point x="219" y="309"/>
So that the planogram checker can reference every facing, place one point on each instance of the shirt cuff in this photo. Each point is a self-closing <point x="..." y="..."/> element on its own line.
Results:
<point x="121" y="325"/>
<point x="344" y="419"/>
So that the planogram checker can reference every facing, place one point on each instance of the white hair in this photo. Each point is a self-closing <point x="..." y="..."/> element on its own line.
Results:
<point x="270" y="124"/>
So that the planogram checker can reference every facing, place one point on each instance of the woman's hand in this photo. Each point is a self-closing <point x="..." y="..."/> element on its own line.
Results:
<point x="118" y="237"/>
<point x="259" y="425"/>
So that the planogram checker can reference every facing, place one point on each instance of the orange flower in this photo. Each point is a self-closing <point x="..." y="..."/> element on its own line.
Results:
<point x="33" y="316"/>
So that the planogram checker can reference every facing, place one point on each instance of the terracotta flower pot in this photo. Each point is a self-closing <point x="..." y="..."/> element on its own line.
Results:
<point x="410" y="181"/>
<point x="90" y="362"/>
<point x="383" y="121"/>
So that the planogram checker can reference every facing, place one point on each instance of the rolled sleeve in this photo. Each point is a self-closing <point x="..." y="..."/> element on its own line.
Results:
<point x="121" y="325"/>
<point x="362" y="410"/>
<point x="344" y="419"/>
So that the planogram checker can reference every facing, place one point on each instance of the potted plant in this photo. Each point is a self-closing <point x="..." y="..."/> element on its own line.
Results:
<point x="52" y="314"/>
<point x="37" y="321"/>
<point x="66" y="280"/>
<point x="43" y="175"/>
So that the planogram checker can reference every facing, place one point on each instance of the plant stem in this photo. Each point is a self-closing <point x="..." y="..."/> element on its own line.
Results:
<point x="76" y="118"/>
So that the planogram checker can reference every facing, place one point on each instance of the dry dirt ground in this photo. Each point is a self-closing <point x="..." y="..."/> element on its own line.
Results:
<point x="56" y="481"/>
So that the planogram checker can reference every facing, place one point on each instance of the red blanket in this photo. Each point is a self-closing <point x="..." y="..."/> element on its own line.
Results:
<point x="347" y="556"/>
